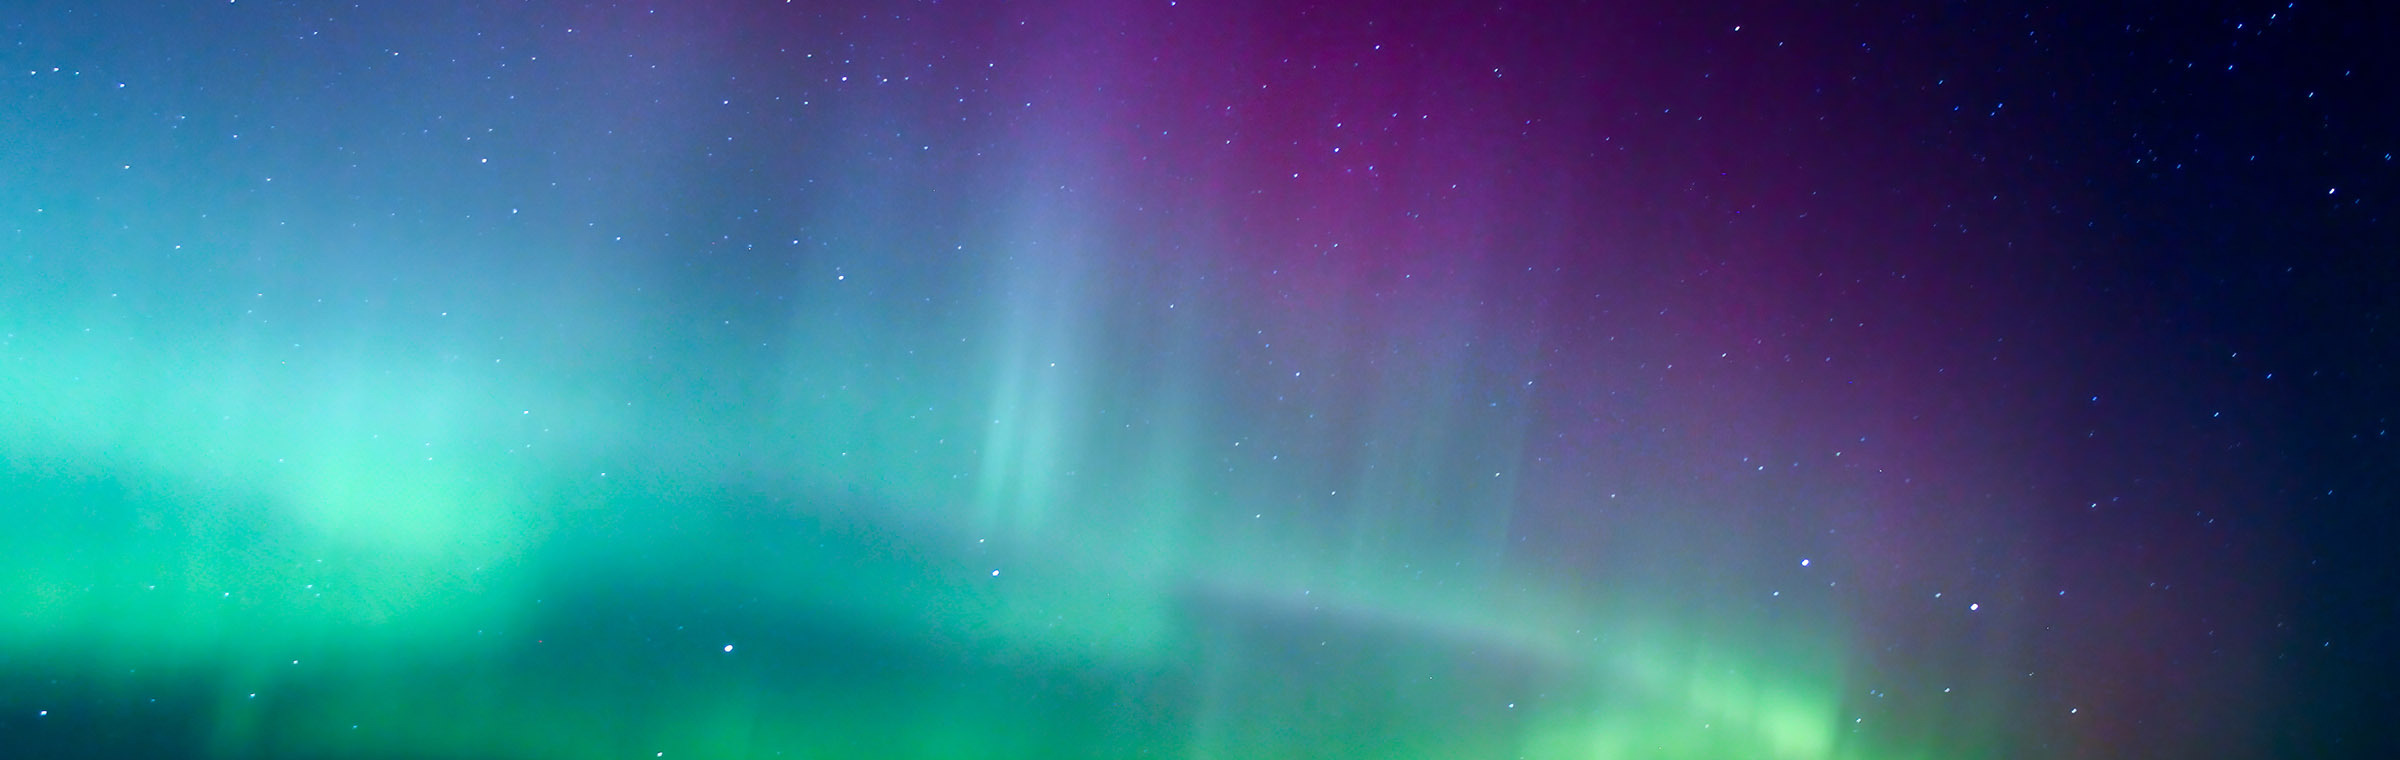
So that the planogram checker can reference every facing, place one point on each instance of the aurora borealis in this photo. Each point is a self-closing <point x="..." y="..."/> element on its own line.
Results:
<point x="1186" y="379"/>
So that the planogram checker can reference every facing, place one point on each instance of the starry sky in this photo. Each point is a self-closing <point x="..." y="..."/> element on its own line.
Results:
<point x="1205" y="379"/>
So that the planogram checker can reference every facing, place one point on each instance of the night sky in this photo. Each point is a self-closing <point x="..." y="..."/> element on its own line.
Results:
<point x="1209" y="379"/>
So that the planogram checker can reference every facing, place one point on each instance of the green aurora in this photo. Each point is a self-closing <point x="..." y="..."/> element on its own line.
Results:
<point x="438" y="541"/>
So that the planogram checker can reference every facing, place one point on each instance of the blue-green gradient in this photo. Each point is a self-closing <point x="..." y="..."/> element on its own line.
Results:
<point x="982" y="380"/>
